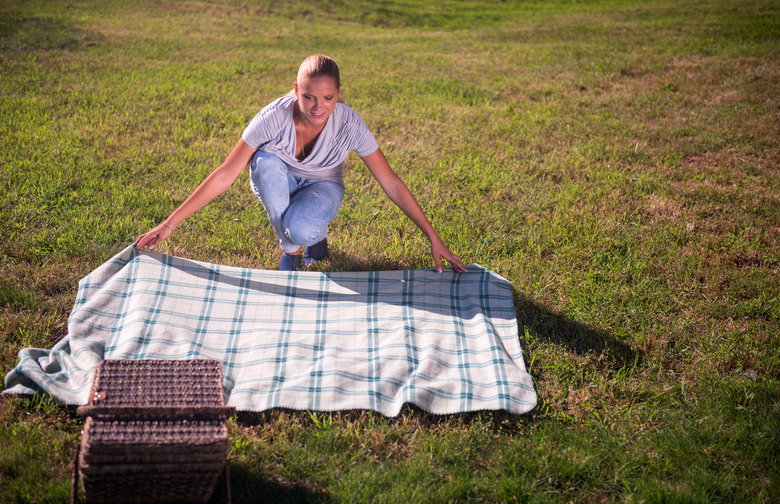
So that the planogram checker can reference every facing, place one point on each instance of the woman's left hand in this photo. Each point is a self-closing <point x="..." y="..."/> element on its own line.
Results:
<point x="440" y="251"/>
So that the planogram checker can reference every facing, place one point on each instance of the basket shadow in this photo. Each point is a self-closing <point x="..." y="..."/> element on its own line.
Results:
<point x="248" y="486"/>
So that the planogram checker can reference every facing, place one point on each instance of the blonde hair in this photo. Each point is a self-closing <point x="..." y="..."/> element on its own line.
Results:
<point x="318" y="65"/>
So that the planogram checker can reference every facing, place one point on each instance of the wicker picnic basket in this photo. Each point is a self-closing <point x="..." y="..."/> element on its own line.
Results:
<point x="156" y="431"/>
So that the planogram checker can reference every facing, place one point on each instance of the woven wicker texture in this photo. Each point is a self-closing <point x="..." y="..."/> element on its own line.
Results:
<point x="142" y="383"/>
<point x="123" y="441"/>
<point x="129" y="453"/>
<point x="150" y="487"/>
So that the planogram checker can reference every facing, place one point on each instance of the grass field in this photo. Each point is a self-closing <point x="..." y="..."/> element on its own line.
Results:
<point x="618" y="162"/>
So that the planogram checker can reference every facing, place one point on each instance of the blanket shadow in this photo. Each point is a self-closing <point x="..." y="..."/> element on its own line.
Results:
<point x="498" y="421"/>
<point x="543" y="325"/>
<point x="536" y="324"/>
<point x="537" y="320"/>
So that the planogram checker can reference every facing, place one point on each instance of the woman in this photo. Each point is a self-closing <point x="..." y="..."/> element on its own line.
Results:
<point x="296" y="148"/>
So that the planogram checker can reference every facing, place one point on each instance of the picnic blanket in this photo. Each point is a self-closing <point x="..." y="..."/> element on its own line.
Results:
<point x="446" y="342"/>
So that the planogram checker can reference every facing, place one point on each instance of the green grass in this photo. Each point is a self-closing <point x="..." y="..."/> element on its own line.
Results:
<point x="616" y="161"/>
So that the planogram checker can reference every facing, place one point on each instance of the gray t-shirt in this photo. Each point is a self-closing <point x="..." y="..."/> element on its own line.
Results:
<point x="272" y="130"/>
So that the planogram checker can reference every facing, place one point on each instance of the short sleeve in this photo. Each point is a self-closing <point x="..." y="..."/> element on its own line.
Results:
<point x="265" y="126"/>
<point x="364" y="142"/>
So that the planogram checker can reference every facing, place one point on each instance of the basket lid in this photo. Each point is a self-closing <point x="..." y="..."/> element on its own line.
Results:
<point x="124" y="383"/>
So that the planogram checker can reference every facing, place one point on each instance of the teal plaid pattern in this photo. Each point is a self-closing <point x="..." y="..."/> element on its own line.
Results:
<point x="445" y="342"/>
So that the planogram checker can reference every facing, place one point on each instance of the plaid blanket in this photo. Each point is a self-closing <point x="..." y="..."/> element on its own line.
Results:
<point x="445" y="342"/>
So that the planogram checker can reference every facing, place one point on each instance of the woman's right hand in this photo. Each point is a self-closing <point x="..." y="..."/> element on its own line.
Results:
<point x="214" y="185"/>
<point x="154" y="237"/>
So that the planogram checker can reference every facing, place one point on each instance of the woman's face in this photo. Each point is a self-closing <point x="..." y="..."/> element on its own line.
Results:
<point x="317" y="98"/>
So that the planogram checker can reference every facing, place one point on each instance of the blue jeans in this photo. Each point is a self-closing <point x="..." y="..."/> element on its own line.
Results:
<point x="299" y="209"/>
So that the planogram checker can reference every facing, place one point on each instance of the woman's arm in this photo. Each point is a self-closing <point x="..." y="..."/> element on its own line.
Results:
<point x="214" y="185"/>
<point x="399" y="194"/>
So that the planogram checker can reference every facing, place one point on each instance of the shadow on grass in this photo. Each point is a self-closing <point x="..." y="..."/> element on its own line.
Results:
<point x="541" y="323"/>
<point x="247" y="487"/>
<point x="22" y="33"/>
<point x="537" y="324"/>
<point x="544" y="325"/>
<point x="498" y="421"/>
<point x="340" y="262"/>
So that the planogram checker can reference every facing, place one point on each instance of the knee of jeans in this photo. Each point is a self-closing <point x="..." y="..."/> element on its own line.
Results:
<point x="305" y="231"/>
<point x="265" y="167"/>
<point x="265" y="161"/>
